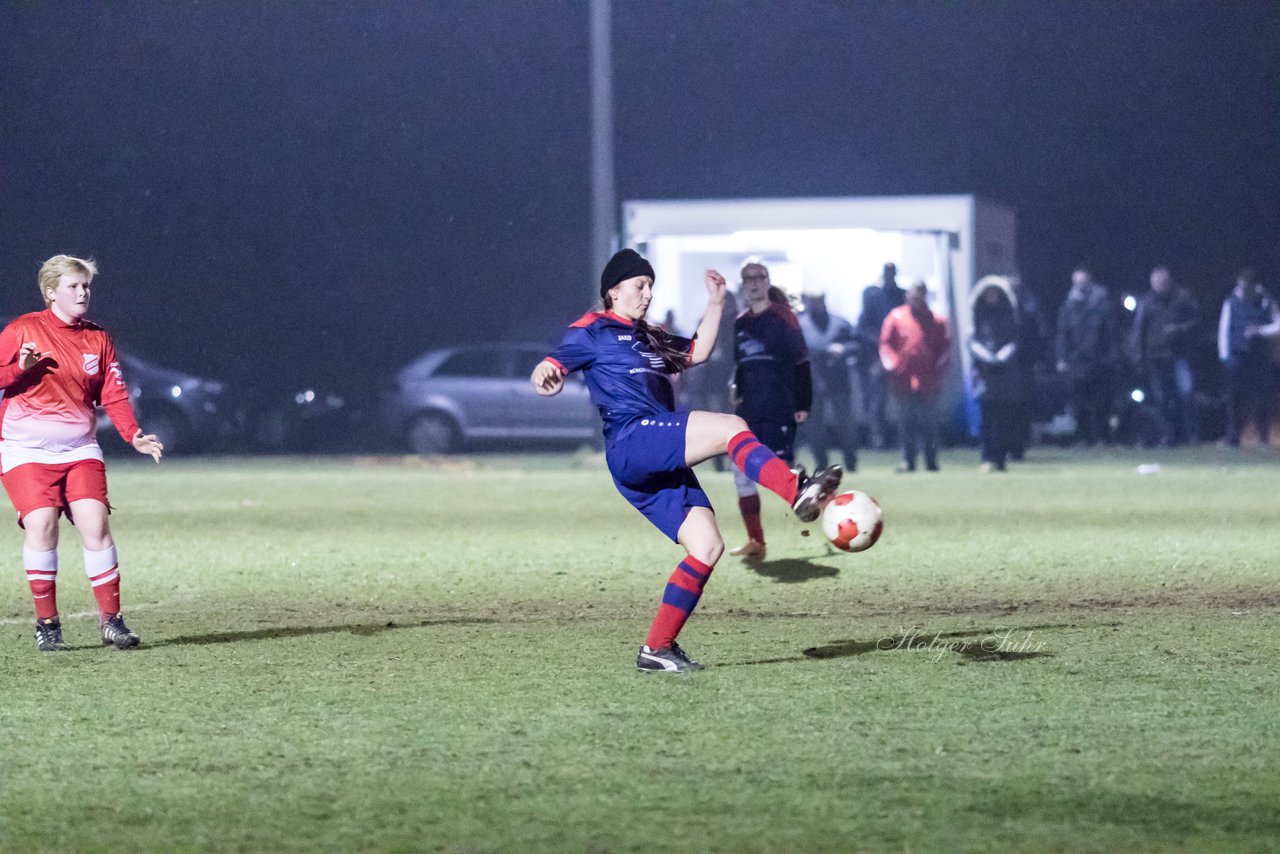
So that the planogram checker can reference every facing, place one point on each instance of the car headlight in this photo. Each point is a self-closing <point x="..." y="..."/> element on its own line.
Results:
<point x="209" y="387"/>
<point x="310" y="396"/>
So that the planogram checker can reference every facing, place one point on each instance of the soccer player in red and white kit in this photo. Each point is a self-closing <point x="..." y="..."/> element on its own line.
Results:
<point x="55" y="367"/>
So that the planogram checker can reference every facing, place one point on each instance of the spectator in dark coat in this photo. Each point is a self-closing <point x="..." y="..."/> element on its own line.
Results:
<point x="997" y="384"/>
<point x="1086" y="348"/>
<point x="831" y="341"/>
<point x="1028" y="363"/>
<point x="1160" y="345"/>
<point x="877" y="301"/>
<point x="1249" y="318"/>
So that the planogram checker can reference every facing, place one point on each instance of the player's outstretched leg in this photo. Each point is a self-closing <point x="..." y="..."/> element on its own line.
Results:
<point x="814" y="491"/>
<point x="711" y="433"/>
<point x="660" y="653"/>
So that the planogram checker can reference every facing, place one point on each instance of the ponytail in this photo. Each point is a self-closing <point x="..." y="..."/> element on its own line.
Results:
<point x="663" y="343"/>
<point x="781" y="303"/>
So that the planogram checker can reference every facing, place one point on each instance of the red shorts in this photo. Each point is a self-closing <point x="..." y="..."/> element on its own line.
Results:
<point x="35" y="485"/>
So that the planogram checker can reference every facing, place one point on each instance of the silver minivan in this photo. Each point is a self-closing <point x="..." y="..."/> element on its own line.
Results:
<point x="453" y="398"/>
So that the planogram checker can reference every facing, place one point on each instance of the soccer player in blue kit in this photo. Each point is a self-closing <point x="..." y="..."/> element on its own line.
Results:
<point x="773" y="388"/>
<point x="650" y="448"/>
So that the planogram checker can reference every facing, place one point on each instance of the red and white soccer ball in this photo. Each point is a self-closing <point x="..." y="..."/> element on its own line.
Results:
<point x="852" y="521"/>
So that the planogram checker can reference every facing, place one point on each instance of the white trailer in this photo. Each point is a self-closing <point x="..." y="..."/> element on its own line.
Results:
<point x="835" y="246"/>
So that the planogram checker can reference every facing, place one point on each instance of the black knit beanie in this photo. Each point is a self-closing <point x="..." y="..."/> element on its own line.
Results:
<point x="624" y="265"/>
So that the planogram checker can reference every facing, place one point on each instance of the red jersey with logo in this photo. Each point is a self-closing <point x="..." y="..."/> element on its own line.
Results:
<point x="49" y="413"/>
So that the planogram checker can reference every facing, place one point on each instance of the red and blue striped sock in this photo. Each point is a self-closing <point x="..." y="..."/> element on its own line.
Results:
<point x="763" y="465"/>
<point x="684" y="589"/>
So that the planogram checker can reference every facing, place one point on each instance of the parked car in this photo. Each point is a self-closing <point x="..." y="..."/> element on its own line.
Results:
<point x="310" y="418"/>
<point x="458" y="397"/>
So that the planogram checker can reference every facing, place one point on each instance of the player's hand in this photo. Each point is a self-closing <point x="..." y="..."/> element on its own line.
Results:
<point x="148" y="444"/>
<point x="717" y="287"/>
<point x="547" y="379"/>
<point x="29" y="356"/>
<point x="802" y="416"/>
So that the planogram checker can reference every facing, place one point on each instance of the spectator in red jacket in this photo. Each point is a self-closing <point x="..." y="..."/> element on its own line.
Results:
<point x="915" y="346"/>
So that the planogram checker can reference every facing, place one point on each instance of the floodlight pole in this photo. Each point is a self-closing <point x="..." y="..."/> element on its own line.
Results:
<point x="604" y="219"/>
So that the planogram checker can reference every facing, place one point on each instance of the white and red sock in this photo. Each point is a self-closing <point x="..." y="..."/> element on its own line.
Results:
<point x="103" y="569"/>
<point x="42" y="576"/>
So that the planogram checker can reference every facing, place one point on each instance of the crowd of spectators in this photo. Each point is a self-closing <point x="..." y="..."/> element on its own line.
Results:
<point x="1140" y="369"/>
<point x="1112" y="368"/>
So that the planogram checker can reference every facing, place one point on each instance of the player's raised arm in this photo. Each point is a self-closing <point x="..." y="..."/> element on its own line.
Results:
<point x="547" y="379"/>
<point x="705" y="337"/>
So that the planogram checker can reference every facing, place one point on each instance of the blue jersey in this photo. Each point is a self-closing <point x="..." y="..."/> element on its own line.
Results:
<point x="626" y="376"/>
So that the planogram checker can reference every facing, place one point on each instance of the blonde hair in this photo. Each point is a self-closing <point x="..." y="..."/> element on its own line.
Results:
<point x="57" y="267"/>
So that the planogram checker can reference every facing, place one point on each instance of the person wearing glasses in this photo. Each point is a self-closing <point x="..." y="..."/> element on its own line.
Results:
<point x="773" y="386"/>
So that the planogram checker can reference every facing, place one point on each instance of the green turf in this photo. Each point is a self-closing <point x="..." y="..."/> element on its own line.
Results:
<point x="383" y="654"/>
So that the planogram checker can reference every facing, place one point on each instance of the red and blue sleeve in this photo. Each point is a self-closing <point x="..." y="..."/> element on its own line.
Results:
<point x="577" y="350"/>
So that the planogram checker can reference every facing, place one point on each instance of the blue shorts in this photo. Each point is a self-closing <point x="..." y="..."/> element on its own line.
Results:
<point x="646" y="459"/>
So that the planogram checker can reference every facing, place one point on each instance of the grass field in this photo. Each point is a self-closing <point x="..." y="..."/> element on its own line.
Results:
<point x="384" y="654"/>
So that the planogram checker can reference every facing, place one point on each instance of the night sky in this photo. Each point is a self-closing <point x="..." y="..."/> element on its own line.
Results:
<point x="304" y="192"/>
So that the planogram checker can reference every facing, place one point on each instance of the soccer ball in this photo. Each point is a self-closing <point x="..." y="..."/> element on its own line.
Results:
<point x="852" y="521"/>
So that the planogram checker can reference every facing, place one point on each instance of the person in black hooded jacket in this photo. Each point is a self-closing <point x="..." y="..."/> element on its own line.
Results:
<point x="997" y="381"/>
